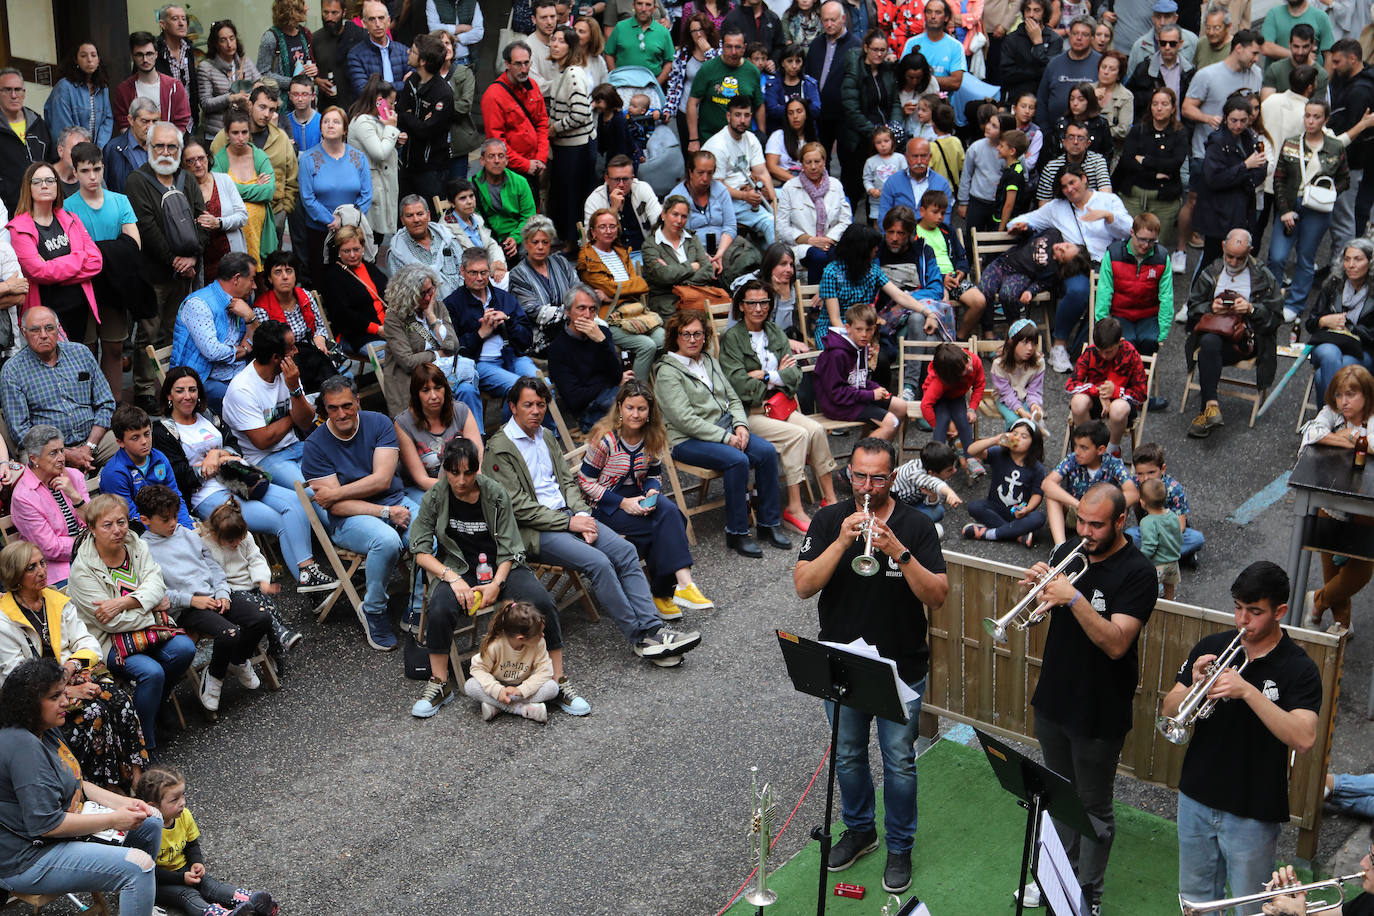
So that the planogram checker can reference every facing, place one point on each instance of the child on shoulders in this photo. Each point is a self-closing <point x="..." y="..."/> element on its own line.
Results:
<point x="1012" y="510"/>
<point x="1088" y="464"/>
<point x="1018" y="375"/>
<point x="513" y="672"/>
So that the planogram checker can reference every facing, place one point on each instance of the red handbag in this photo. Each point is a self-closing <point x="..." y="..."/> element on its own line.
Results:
<point x="779" y="406"/>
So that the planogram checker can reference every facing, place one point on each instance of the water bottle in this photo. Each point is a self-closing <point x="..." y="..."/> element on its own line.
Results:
<point x="484" y="571"/>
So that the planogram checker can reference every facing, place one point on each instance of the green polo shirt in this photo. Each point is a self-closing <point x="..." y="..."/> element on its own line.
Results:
<point x="651" y="48"/>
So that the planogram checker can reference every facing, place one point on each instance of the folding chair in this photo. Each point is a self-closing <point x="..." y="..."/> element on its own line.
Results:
<point x="1231" y="387"/>
<point x="704" y="476"/>
<point x="36" y="902"/>
<point x="162" y="358"/>
<point x="1307" y="402"/>
<point x="566" y="586"/>
<point x="442" y="206"/>
<point x="376" y="354"/>
<point x="807" y="363"/>
<point x="805" y="294"/>
<point x="1137" y="427"/>
<point x="987" y="246"/>
<point x="337" y="557"/>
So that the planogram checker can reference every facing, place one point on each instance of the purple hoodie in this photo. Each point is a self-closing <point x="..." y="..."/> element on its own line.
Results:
<point x="841" y="380"/>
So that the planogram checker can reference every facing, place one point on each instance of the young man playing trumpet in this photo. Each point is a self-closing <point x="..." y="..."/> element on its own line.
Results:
<point x="1233" y="794"/>
<point x="1296" y="904"/>
<point x="1087" y="680"/>
<point x="888" y="609"/>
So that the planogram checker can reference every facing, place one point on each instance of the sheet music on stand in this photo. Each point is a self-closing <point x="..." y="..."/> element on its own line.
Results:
<point x="1057" y="880"/>
<point x="864" y="649"/>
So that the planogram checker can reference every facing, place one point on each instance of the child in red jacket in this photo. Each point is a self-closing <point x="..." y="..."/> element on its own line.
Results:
<point x="952" y="392"/>
<point x="1108" y="383"/>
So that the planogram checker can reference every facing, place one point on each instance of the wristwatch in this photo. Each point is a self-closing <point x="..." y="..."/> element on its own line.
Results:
<point x="903" y="558"/>
<point x="386" y="513"/>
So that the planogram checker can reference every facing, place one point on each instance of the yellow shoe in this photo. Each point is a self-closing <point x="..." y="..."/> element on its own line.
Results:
<point x="690" y="598"/>
<point x="666" y="609"/>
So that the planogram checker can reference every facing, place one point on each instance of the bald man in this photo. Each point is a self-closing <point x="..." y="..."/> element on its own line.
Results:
<point x="905" y="189"/>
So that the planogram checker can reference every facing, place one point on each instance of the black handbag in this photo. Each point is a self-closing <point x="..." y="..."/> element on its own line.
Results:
<point x="1350" y="344"/>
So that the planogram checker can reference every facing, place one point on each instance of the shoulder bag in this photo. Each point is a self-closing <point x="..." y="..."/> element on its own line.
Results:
<point x="1316" y="194"/>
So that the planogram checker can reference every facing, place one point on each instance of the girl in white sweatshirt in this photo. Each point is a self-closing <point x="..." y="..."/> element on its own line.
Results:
<point x="512" y="672"/>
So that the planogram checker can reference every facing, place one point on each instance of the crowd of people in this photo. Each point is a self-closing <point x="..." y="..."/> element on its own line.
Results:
<point x="351" y="199"/>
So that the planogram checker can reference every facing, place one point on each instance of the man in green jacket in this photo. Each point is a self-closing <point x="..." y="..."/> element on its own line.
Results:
<point x="558" y="528"/>
<point x="503" y="197"/>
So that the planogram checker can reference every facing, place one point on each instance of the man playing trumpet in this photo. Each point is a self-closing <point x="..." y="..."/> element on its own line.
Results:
<point x="1233" y="794"/>
<point x="888" y="609"/>
<point x="1296" y="904"/>
<point x="1087" y="680"/>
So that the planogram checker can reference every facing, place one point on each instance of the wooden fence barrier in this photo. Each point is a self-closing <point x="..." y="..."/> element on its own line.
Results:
<point x="975" y="680"/>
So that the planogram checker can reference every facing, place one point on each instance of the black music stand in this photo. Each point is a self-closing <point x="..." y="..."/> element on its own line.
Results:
<point x="1037" y="789"/>
<point x="846" y="679"/>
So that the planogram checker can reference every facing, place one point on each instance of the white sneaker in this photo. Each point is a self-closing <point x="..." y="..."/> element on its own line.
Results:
<point x="1059" y="359"/>
<point x="1031" y="895"/>
<point x="536" y="712"/>
<point x="245" y="675"/>
<point x="210" y="688"/>
<point x="488" y="712"/>
<point x="1179" y="260"/>
<point x="939" y="530"/>
<point x="1310" y="618"/>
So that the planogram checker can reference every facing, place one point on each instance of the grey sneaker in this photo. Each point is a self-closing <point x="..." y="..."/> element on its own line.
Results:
<point x="667" y="640"/>
<point x="909" y="395"/>
<point x="489" y="712"/>
<point x="852" y="845"/>
<point x="313" y="578"/>
<point x="1059" y="359"/>
<point x="436" y="695"/>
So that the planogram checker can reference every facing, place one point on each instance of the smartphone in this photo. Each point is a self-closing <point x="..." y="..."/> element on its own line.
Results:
<point x="626" y="361"/>
<point x="383" y="109"/>
<point x="649" y="501"/>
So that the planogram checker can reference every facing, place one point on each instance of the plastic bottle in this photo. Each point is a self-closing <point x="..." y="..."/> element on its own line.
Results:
<point x="484" y="570"/>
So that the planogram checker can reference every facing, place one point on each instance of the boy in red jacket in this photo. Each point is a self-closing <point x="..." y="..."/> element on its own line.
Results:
<point x="952" y="392"/>
<point x="1108" y="383"/>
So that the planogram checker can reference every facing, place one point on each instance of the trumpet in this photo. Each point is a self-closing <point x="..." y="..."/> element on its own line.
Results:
<point x="1029" y="610"/>
<point x="1197" y="908"/>
<point x="1178" y="728"/>
<point x="761" y="833"/>
<point x="865" y="564"/>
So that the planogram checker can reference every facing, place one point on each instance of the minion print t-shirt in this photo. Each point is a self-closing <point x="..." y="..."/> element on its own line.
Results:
<point x="715" y="85"/>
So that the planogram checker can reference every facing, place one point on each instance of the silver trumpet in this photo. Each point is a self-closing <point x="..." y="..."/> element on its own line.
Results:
<point x="865" y="564"/>
<point x="1030" y="610"/>
<point x="761" y="833"/>
<point x="1197" y="908"/>
<point x="1178" y="728"/>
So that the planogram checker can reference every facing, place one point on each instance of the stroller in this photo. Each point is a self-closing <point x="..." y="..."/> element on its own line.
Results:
<point x="662" y="165"/>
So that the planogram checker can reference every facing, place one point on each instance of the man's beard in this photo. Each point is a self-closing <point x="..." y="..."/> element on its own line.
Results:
<point x="164" y="165"/>
<point x="335" y="27"/>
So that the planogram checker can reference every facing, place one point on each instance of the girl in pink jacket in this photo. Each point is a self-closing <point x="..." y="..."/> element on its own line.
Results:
<point x="56" y="255"/>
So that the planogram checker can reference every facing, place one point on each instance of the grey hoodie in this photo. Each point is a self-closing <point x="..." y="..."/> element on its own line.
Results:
<point x="188" y="567"/>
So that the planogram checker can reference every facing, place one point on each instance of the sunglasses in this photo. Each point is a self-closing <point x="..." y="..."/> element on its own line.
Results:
<point x="1167" y="44"/>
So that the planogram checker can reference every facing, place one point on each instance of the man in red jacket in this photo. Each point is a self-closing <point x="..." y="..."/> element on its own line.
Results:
<point x="172" y="98"/>
<point x="513" y="111"/>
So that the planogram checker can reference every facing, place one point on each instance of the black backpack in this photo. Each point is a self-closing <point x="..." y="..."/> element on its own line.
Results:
<point x="178" y="221"/>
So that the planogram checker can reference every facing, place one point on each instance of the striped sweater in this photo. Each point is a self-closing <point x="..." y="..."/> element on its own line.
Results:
<point x="607" y="462"/>
<point x="571" y="121"/>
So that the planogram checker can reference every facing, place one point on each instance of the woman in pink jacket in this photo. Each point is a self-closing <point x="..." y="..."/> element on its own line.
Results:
<point x="48" y="499"/>
<point x="55" y="253"/>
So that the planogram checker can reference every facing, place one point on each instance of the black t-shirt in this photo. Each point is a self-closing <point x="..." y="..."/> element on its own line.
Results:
<point x="468" y="528"/>
<point x="1362" y="905"/>
<point x="1234" y="763"/>
<point x="1009" y="483"/>
<point x="880" y="608"/>
<point x="52" y="244"/>
<point x="1081" y="688"/>
<point x="297" y="51"/>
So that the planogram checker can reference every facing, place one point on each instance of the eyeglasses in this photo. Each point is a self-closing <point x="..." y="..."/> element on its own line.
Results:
<point x="626" y="180"/>
<point x="756" y="303"/>
<point x="190" y="160"/>
<point x="427" y="293"/>
<point x="692" y="335"/>
<point x="42" y="182"/>
<point x="166" y="147"/>
<point x="876" y="479"/>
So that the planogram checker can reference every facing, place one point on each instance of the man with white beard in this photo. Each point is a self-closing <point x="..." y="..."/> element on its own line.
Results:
<point x="173" y="241"/>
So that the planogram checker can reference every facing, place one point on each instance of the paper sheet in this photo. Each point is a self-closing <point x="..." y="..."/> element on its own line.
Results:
<point x="864" y="648"/>
<point x="1058" y="883"/>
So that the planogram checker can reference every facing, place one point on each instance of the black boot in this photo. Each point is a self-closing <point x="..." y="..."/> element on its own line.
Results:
<point x="744" y="545"/>
<point x="772" y="536"/>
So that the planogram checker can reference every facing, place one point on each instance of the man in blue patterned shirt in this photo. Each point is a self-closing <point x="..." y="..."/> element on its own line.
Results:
<point x="1088" y="464"/>
<point x="60" y="384"/>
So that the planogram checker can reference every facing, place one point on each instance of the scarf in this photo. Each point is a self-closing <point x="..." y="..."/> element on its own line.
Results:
<point x="269" y="304"/>
<point x="817" y="192"/>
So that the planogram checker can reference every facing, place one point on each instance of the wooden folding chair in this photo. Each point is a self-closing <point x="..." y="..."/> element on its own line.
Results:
<point x="376" y="354"/>
<point x="1229" y="386"/>
<point x="987" y="246"/>
<point x="704" y="477"/>
<point x="345" y="563"/>
<point x="1137" y="427"/>
<point x="442" y="206"/>
<point x="807" y="363"/>
<point x="805" y="294"/>
<point x="162" y="359"/>
<point x="1307" y="403"/>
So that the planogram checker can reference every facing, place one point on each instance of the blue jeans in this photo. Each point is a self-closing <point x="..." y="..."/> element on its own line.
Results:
<point x="897" y="742"/>
<point x="74" y="865"/>
<point x="1072" y="307"/>
<point x="1307" y="235"/>
<point x="1143" y="333"/>
<point x="214" y="393"/>
<point x="1192" y="539"/>
<point x="1353" y="795"/>
<point x="1328" y="359"/>
<point x="761" y="456"/>
<point x="1216" y="848"/>
<point x="284" y="465"/>
<point x="382" y="542"/>
<point x="155" y="674"/>
<point x="492" y="376"/>
<point x="953" y="410"/>
<point x="612" y="564"/>
<point x="760" y="220"/>
<point x="279" y="512"/>
<point x="597" y="408"/>
<point x="933" y="512"/>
